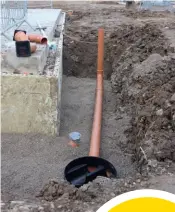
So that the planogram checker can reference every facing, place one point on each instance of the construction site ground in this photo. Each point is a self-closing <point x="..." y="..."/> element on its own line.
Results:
<point x="138" y="132"/>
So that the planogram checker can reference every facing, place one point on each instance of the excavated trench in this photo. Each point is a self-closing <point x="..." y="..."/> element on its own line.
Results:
<point x="78" y="98"/>
<point x="128" y="51"/>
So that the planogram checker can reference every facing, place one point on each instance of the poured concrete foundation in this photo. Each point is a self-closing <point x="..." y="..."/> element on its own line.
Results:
<point x="32" y="103"/>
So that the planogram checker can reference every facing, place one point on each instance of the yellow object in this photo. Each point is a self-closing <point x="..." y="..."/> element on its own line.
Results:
<point x="146" y="204"/>
<point x="143" y="200"/>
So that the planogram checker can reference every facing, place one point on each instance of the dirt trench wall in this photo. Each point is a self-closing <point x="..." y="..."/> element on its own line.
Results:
<point x="144" y="78"/>
<point x="29" y="104"/>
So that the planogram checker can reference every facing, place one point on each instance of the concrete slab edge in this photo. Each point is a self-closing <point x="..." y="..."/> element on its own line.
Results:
<point x="58" y="68"/>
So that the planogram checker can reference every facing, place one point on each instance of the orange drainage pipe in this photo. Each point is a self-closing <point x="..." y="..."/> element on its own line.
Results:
<point x="37" y="39"/>
<point x="96" y="128"/>
<point x="20" y="36"/>
<point x="85" y="169"/>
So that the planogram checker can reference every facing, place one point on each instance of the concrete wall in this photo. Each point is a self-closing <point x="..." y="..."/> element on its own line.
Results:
<point x="32" y="104"/>
<point x="29" y="104"/>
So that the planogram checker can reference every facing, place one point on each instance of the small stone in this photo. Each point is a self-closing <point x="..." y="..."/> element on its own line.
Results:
<point x="40" y="208"/>
<point x="118" y="117"/>
<point x="24" y="209"/>
<point x="13" y="203"/>
<point x="112" y="194"/>
<point x="59" y="206"/>
<point x="52" y="206"/>
<point x="152" y="163"/>
<point x="173" y="98"/>
<point x="138" y="181"/>
<point x="173" y="117"/>
<point x="143" y="184"/>
<point x="85" y="187"/>
<point x="121" y="109"/>
<point x="53" y="181"/>
<point x="159" y="112"/>
<point x="163" y="170"/>
<point x="167" y="104"/>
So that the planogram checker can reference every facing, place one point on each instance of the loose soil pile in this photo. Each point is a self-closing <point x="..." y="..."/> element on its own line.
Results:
<point x="144" y="13"/>
<point x="144" y="76"/>
<point x="63" y="197"/>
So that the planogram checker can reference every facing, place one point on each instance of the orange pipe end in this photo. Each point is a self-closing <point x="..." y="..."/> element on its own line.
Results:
<point x="96" y="128"/>
<point x="72" y="144"/>
<point x="37" y="39"/>
<point x="20" y="36"/>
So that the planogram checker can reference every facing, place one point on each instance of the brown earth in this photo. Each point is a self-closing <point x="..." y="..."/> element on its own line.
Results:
<point x="145" y="14"/>
<point x="140" y="63"/>
<point x="141" y="60"/>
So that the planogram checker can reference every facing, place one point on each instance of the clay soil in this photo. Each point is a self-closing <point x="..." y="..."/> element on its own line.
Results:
<point x="138" y="133"/>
